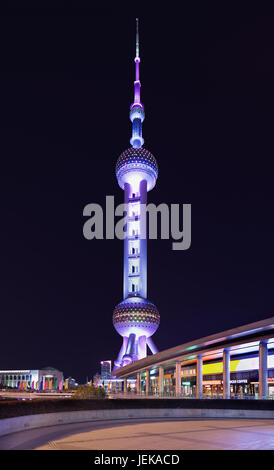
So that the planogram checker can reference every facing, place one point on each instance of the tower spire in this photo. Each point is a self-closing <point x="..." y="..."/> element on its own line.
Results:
<point x="137" y="37"/>
<point x="137" y="114"/>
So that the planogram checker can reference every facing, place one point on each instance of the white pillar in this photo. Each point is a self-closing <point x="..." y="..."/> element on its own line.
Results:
<point x="263" y="387"/>
<point x="199" y="377"/>
<point x="226" y="373"/>
<point x="161" y="380"/>
<point x="147" y="382"/>
<point x="138" y="382"/>
<point x="178" y="378"/>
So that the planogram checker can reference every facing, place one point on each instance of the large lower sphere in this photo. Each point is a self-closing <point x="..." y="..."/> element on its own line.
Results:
<point x="135" y="165"/>
<point x="136" y="315"/>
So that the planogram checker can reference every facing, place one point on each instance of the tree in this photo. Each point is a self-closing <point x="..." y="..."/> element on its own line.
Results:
<point x="84" y="392"/>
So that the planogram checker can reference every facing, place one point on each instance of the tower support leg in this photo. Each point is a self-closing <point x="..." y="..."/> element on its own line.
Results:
<point x="122" y="351"/>
<point x="152" y="346"/>
<point x="142" y="347"/>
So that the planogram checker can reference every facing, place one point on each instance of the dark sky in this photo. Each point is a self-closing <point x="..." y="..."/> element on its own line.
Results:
<point x="66" y="85"/>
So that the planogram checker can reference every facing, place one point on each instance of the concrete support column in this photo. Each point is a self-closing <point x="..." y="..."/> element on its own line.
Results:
<point x="138" y="383"/>
<point x="161" y="380"/>
<point x="199" y="377"/>
<point x="147" y="382"/>
<point x="178" y="378"/>
<point x="263" y="387"/>
<point x="226" y="373"/>
<point x="125" y="385"/>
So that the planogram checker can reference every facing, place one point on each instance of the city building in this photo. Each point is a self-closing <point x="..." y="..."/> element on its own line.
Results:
<point x="47" y="378"/>
<point x="105" y="370"/>
<point x="234" y="363"/>
<point x="71" y="382"/>
<point x="135" y="318"/>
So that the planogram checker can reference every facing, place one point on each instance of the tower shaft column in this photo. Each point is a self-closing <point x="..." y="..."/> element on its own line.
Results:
<point x="126" y="200"/>
<point x="143" y="240"/>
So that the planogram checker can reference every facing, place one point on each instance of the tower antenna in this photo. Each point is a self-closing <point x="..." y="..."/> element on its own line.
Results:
<point x="137" y="114"/>
<point x="137" y="37"/>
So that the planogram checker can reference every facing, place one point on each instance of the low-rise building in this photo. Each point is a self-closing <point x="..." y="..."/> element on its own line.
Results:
<point x="47" y="378"/>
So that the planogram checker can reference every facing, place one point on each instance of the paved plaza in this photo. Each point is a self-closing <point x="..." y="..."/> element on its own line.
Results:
<point x="215" y="434"/>
<point x="155" y="434"/>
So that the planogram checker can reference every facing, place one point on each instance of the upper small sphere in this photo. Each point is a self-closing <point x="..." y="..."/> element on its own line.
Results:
<point x="135" y="165"/>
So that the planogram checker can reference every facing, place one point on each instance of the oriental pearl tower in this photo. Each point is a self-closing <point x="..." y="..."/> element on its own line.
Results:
<point x="135" y="318"/>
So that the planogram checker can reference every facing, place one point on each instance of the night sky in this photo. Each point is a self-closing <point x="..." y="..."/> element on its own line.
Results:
<point x="66" y="86"/>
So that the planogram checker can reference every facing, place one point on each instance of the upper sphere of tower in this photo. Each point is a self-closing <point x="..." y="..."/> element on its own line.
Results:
<point x="135" y="165"/>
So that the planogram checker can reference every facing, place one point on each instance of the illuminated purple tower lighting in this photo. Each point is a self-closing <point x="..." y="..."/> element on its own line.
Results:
<point x="135" y="318"/>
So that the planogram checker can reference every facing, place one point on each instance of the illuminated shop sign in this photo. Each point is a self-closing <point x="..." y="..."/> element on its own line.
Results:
<point x="238" y="365"/>
<point x="219" y="382"/>
<point x="211" y="382"/>
<point x="240" y="381"/>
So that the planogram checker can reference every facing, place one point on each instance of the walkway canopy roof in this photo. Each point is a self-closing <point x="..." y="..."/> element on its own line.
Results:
<point x="240" y="340"/>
